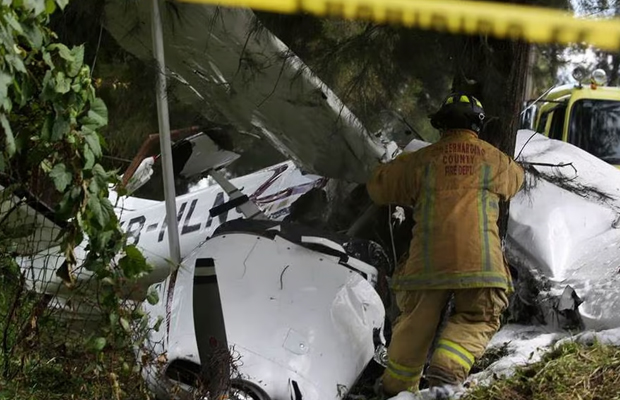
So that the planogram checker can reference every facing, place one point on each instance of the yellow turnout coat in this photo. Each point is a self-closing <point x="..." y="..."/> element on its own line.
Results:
<point x="455" y="186"/>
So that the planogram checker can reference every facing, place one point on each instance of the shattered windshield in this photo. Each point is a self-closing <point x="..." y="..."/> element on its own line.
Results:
<point x="595" y="128"/>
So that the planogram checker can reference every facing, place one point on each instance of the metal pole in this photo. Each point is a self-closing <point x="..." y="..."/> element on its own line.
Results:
<point x="164" y="142"/>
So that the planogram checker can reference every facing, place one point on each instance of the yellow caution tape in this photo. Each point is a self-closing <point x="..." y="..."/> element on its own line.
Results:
<point x="532" y="24"/>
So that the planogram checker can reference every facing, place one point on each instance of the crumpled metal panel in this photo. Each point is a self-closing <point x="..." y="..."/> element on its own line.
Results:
<point x="292" y="314"/>
<point x="220" y="57"/>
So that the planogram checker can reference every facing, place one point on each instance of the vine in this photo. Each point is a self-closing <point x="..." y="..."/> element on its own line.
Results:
<point x="50" y="116"/>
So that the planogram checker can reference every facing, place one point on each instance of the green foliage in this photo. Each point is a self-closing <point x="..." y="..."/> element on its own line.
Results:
<point x="50" y="124"/>
<point x="374" y="68"/>
<point x="46" y="95"/>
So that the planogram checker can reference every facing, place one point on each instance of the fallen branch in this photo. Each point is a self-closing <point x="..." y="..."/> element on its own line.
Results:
<point x="536" y="164"/>
<point x="567" y="183"/>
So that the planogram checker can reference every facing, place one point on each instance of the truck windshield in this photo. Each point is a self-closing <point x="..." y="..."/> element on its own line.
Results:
<point x="595" y="128"/>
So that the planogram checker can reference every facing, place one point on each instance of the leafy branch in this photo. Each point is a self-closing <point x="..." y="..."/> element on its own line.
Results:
<point x="50" y="117"/>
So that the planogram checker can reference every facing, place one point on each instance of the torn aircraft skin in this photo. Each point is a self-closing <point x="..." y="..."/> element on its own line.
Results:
<point x="199" y="213"/>
<point x="223" y="58"/>
<point x="301" y="314"/>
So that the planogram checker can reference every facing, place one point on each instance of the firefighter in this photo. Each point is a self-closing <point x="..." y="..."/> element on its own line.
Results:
<point x="455" y="186"/>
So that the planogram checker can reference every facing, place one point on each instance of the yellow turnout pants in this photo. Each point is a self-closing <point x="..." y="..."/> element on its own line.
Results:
<point x="476" y="318"/>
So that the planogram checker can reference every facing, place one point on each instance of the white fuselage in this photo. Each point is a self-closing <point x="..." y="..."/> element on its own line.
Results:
<point x="273" y="189"/>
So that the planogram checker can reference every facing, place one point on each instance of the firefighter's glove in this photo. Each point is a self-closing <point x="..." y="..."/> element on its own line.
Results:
<point x="391" y="151"/>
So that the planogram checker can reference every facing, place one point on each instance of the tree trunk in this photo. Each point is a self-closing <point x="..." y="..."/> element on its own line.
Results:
<point x="494" y="71"/>
<point x="614" y="69"/>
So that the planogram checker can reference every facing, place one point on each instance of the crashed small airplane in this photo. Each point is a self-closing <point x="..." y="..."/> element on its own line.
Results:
<point x="305" y="308"/>
<point x="291" y="299"/>
<point x="251" y="279"/>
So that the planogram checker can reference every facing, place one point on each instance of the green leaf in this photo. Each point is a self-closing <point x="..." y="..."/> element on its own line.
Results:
<point x="138" y="313"/>
<point x="133" y="264"/>
<point x="16" y="62"/>
<point x="28" y="89"/>
<point x="48" y="60"/>
<point x="9" y="17"/>
<point x="105" y="238"/>
<point x="100" y="174"/>
<point x="98" y="344"/>
<point x="132" y="252"/>
<point x="113" y="318"/>
<point x="22" y="91"/>
<point x="98" y="112"/>
<point x="48" y="91"/>
<point x="46" y="129"/>
<point x="157" y="325"/>
<point x="93" y="187"/>
<point x="108" y="281"/>
<point x="37" y="6"/>
<point x="125" y="324"/>
<point x="108" y="209"/>
<point x="95" y="208"/>
<point x="60" y="128"/>
<point x="34" y="36"/>
<point x="2" y="163"/>
<point x="92" y="139"/>
<point x="46" y="166"/>
<point x="89" y="158"/>
<point x="152" y="296"/>
<point x="65" y="206"/>
<point x="5" y="81"/>
<point x="8" y="134"/>
<point x="78" y="55"/>
<point x="76" y="192"/>
<point x="61" y="177"/>
<point x="92" y="264"/>
<point x="63" y="51"/>
<point x="50" y="6"/>
<point x="63" y="85"/>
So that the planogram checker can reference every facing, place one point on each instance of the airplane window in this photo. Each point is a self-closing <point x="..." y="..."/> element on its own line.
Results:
<point x="595" y="128"/>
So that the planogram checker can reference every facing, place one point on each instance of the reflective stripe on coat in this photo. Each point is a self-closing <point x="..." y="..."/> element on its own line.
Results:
<point x="455" y="186"/>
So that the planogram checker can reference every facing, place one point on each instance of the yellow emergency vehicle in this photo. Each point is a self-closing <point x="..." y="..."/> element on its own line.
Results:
<point x="586" y="115"/>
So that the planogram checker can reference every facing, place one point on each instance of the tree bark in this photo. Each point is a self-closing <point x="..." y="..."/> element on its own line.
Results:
<point x="494" y="71"/>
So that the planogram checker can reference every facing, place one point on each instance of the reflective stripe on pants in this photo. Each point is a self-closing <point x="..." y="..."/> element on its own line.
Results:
<point x="408" y="375"/>
<point x="463" y="339"/>
<point x="412" y="337"/>
<point x="456" y="352"/>
<point x="469" y="329"/>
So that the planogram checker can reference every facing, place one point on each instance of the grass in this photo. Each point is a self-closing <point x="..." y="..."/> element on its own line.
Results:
<point x="70" y="372"/>
<point x="570" y="371"/>
<point x="42" y="359"/>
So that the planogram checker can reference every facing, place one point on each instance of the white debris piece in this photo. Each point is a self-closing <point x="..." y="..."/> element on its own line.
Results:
<point x="436" y="393"/>
<point x="524" y="345"/>
<point x="399" y="214"/>
<point x="549" y="224"/>
<point x="570" y="238"/>
<point x="608" y="337"/>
